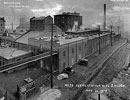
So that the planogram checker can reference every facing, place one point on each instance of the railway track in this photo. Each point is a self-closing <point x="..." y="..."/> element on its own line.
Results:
<point x="95" y="73"/>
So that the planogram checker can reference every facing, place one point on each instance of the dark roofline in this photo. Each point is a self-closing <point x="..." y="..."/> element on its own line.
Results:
<point x="40" y="18"/>
<point x="68" y="13"/>
<point x="2" y="18"/>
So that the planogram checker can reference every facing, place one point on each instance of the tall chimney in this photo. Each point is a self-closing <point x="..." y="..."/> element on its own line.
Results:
<point x="104" y="25"/>
<point x="12" y="26"/>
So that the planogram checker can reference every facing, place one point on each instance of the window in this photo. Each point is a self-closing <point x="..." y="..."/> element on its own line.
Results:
<point x="64" y="54"/>
<point x="18" y="59"/>
<point x="3" y="62"/>
<point x="14" y="45"/>
<point x="79" y="48"/>
<point x="73" y="50"/>
<point x="1" y="24"/>
<point x="64" y="65"/>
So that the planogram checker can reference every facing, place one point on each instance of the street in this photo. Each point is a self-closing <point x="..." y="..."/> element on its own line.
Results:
<point x="111" y="69"/>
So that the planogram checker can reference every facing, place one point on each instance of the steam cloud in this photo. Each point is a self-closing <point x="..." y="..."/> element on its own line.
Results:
<point x="91" y="10"/>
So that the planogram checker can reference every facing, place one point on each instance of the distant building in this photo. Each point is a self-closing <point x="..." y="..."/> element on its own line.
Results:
<point x="23" y="27"/>
<point x="40" y="23"/>
<point x="68" y="20"/>
<point x="11" y="51"/>
<point x="2" y="25"/>
<point x="86" y="33"/>
<point x="45" y="33"/>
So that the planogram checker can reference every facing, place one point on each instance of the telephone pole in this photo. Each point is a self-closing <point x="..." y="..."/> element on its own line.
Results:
<point x="51" y="63"/>
<point x="99" y="39"/>
<point x="51" y="55"/>
<point x="118" y="32"/>
<point x="111" y="34"/>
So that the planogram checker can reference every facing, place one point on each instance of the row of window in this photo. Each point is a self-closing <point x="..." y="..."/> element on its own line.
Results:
<point x="73" y="50"/>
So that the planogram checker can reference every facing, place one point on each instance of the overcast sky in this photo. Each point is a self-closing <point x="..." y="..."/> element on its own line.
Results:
<point x="91" y="10"/>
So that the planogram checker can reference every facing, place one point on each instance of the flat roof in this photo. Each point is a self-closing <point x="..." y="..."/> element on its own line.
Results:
<point x="9" y="53"/>
<point x="88" y="30"/>
<point x="96" y="36"/>
<point x="62" y="40"/>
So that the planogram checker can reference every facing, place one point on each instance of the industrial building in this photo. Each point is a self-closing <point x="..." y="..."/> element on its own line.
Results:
<point x="2" y="25"/>
<point x="86" y="33"/>
<point x="40" y="23"/>
<point x="72" y="48"/>
<point x="40" y="27"/>
<point x="11" y="51"/>
<point x="68" y="20"/>
<point x="23" y="27"/>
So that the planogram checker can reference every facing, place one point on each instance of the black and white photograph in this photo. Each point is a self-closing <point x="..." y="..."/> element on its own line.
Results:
<point x="64" y="49"/>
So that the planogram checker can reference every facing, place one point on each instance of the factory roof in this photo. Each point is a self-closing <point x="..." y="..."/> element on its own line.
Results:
<point x="97" y="35"/>
<point x="38" y="34"/>
<point x="88" y="30"/>
<point x="63" y="40"/>
<point x="9" y="53"/>
<point x="38" y="18"/>
<point x="69" y="13"/>
<point x="24" y="37"/>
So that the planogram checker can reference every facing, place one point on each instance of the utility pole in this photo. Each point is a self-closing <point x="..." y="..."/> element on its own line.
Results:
<point x="99" y="96"/>
<point x="51" y="63"/>
<point x="111" y="34"/>
<point x="12" y="26"/>
<point x="99" y="39"/>
<point x="51" y="55"/>
<point x="118" y="32"/>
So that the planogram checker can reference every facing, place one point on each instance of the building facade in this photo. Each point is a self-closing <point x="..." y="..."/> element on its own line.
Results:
<point x="72" y="49"/>
<point x="2" y="25"/>
<point x="11" y="51"/>
<point x="68" y="20"/>
<point x="40" y="23"/>
<point x="23" y="27"/>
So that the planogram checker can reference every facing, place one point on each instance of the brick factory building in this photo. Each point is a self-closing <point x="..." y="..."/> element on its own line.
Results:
<point x="2" y="25"/>
<point x="39" y="27"/>
<point x="71" y="49"/>
<point x="68" y="20"/>
<point x="40" y="23"/>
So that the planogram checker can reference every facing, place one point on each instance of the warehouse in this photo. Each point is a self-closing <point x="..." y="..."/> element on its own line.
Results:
<point x="72" y="48"/>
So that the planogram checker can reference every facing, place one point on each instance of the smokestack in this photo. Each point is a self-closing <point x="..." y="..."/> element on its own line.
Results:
<point x="12" y="26"/>
<point x="104" y="26"/>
